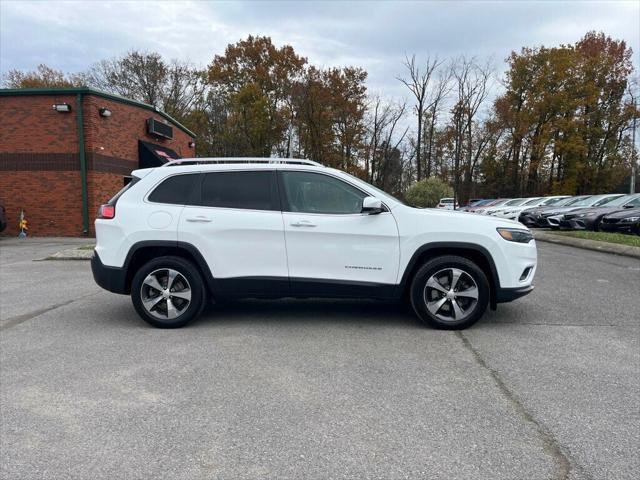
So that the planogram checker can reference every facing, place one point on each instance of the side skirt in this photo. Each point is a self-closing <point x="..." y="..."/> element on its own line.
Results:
<point x="279" y="287"/>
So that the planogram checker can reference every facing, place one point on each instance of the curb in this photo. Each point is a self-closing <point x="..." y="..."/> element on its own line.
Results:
<point x="604" y="247"/>
<point x="70" y="254"/>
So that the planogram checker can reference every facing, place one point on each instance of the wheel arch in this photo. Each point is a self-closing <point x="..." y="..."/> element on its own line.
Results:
<point x="141" y="252"/>
<point x="476" y="253"/>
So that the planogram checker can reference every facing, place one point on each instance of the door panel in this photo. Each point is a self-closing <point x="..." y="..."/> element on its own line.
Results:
<point x="329" y="239"/>
<point x="236" y="243"/>
<point x="353" y="248"/>
<point x="239" y="244"/>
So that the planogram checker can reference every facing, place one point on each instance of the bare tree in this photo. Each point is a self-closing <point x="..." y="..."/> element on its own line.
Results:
<point x="173" y="87"/>
<point x="436" y="101"/>
<point x="383" y="157"/>
<point x="472" y="82"/>
<point x="418" y="84"/>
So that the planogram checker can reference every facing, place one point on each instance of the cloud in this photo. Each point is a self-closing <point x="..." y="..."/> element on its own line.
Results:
<point x="375" y="35"/>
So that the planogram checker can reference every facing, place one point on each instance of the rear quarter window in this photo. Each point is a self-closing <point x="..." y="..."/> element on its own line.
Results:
<point x="177" y="190"/>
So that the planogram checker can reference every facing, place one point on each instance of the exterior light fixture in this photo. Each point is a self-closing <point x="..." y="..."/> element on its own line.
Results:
<point x="104" y="112"/>
<point x="62" y="107"/>
<point x="192" y="144"/>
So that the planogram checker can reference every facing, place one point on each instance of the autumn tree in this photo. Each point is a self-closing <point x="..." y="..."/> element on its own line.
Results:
<point x="42" y="77"/>
<point x="567" y="116"/>
<point x="255" y="79"/>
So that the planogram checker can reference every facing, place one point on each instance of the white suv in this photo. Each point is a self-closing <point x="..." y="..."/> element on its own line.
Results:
<point x="207" y="229"/>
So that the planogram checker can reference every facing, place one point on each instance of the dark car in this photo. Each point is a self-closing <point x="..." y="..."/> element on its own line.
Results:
<point x="535" y="217"/>
<point x="3" y="218"/>
<point x="590" y="218"/>
<point x="594" y="201"/>
<point x="624" y="221"/>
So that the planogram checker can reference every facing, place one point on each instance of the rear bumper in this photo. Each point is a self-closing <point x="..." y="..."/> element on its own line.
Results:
<point x="504" y="295"/>
<point x="113" y="279"/>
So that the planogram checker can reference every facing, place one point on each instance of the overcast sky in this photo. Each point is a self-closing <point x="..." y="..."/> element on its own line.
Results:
<point x="70" y="35"/>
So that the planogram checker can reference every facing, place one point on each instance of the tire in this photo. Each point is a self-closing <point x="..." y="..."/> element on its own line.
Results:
<point x="186" y="297"/>
<point x="450" y="309"/>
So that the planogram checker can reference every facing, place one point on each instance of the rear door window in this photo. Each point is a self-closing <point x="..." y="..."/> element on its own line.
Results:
<point x="248" y="190"/>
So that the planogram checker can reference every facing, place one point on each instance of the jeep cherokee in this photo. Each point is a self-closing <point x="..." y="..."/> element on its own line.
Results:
<point x="196" y="230"/>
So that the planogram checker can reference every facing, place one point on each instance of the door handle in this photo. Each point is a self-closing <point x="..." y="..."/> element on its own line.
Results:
<point x="198" y="218"/>
<point x="303" y="223"/>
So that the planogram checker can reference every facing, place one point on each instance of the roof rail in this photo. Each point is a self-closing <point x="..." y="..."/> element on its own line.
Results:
<point x="232" y="160"/>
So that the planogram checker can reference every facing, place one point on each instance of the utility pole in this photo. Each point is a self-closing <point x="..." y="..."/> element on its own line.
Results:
<point x="634" y="159"/>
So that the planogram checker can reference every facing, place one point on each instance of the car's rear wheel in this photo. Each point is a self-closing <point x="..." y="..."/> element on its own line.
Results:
<point x="168" y="292"/>
<point x="450" y="292"/>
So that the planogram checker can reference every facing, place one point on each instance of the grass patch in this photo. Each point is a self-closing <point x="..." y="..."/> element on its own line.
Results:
<point x="90" y="246"/>
<point x="620" y="238"/>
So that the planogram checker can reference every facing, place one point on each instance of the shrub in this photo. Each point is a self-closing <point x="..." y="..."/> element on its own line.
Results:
<point x="428" y="192"/>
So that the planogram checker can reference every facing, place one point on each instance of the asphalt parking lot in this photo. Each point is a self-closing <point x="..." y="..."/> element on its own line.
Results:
<point x="545" y="388"/>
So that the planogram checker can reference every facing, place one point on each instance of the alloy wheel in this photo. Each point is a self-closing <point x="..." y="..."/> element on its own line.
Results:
<point x="165" y="293"/>
<point x="451" y="295"/>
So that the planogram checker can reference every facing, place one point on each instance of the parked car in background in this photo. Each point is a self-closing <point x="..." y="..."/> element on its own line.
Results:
<point x="554" y="219"/>
<point x="624" y="221"/>
<point x="590" y="218"/>
<point x="492" y="203"/>
<point x="447" y="204"/>
<point x="538" y="217"/>
<point x="529" y="216"/>
<point x="3" y="218"/>
<point x="477" y="204"/>
<point x="514" y="202"/>
<point x="514" y="213"/>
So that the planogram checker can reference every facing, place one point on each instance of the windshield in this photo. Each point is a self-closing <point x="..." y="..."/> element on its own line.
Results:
<point x="574" y="200"/>
<point x="555" y="201"/>
<point x="515" y="202"/>
<point x="585" y="202"/>
<point x="533" y="202"/>
<point x="604" y="200"/>
<point x="446" y="200"/>
<point x="616" y="202"/>
<point x="635" y="202"/>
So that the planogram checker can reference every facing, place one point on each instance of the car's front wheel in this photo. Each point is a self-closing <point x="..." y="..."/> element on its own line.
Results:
<point x="168" y="292"/>
<point x="450" y="292"/>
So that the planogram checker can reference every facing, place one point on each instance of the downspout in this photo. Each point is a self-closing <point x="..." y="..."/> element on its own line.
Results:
<point x="83" y="165"/>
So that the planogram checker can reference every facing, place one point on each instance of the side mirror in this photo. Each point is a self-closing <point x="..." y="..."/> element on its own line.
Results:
<point x="371" y="205"/>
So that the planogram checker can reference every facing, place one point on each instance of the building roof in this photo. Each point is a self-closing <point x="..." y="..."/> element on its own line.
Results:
<point x="6" y="92"/>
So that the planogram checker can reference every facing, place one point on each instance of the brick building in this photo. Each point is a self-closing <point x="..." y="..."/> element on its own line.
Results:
<point x="63" y="152"/>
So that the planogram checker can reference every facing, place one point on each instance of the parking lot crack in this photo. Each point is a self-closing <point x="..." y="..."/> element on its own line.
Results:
<point x="18" y="319"/>
<point x="550" y="444"/>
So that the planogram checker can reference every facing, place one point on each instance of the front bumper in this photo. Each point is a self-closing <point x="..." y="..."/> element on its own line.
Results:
<point x="625" y="227"/>
<point x="113" y="279"/>
<point x="527" y="220"/>
<point x="504" y="295"/>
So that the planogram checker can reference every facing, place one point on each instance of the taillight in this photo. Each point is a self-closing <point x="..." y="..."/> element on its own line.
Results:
<point x="107" y="212"/>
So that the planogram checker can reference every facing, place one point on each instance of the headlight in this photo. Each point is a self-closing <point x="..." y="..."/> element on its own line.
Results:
<point x="631" y="219"/>
<point x="515" y="235"/>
